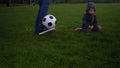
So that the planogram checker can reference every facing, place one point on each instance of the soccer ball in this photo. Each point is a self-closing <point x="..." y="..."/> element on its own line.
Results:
<point x="49" y="21"/>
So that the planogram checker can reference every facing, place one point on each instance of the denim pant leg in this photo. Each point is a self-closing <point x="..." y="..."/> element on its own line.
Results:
<point x="43" y="10"/>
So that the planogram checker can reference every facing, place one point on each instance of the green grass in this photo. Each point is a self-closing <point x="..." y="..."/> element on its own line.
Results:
<point x="20" y="48"/>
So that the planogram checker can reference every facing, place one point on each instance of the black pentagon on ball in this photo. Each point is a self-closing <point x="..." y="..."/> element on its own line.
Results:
<point x="50" y="24"/>
<point x="51" y="17"/>
<point x="44" y="19"/>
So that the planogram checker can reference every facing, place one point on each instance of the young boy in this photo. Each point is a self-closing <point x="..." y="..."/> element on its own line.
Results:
<point x="89" y="20"/>
<point x="40" y="29"/>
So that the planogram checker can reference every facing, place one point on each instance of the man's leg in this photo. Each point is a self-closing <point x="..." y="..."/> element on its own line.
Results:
<point x="43" y="10"/>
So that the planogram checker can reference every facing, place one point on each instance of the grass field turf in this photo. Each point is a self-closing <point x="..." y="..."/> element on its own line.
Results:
<point x="20" y="48"/>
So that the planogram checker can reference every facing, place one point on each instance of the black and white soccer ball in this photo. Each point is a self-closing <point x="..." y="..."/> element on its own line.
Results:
<point x="49" y="21"/>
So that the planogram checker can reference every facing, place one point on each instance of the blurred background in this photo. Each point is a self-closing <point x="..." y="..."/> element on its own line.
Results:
<point x="33" y="2"/>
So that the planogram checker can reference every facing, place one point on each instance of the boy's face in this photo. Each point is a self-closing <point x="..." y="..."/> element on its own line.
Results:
<point x="91" y="11"/>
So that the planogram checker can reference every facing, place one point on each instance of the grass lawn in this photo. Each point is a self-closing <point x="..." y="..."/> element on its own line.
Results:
<point x="20" y="48"/>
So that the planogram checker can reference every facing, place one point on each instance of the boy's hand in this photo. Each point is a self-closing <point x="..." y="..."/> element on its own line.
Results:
<point x="91" y="27"/>
<point x="78" y="29"/>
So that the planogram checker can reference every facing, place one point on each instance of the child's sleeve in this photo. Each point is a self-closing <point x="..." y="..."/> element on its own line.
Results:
<point x="84" y="22"/>
<point x="95" y="23"/>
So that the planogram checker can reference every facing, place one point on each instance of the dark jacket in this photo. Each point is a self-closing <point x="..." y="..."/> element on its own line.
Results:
<point x="89" y="19"/>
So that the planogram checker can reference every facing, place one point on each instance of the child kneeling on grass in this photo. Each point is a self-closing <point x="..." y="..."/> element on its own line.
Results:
<point x="89" y="20"/>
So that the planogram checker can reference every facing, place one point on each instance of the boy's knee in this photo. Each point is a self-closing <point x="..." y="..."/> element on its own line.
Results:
<point x="99" y="27"/>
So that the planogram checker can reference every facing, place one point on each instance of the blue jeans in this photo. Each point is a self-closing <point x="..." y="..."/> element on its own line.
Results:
<point x="43" y="10"/>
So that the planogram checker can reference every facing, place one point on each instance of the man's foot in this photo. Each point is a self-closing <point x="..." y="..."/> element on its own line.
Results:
<point x="46" y="31"/>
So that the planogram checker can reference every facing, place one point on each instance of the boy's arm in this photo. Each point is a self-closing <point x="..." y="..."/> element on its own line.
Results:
<point x="84" y="21"/>
<point x="95" y="23"/>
